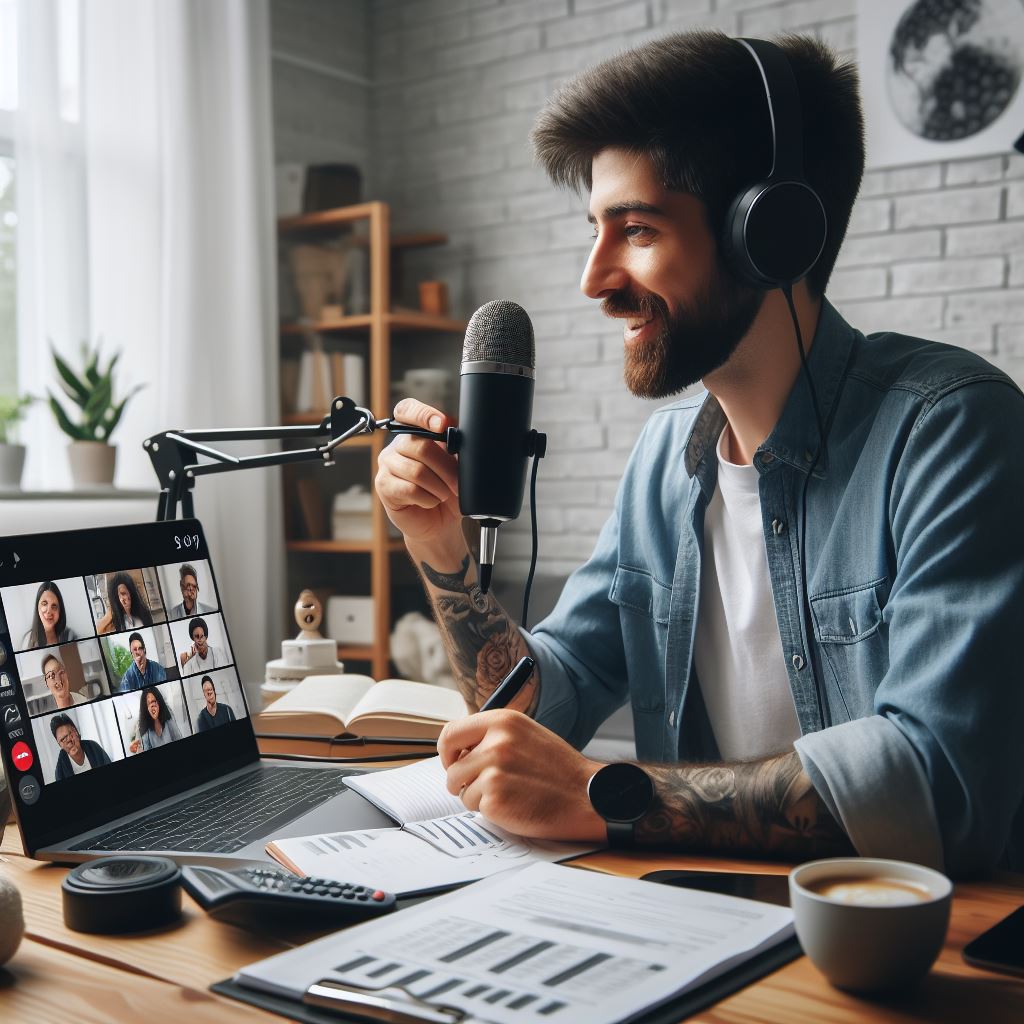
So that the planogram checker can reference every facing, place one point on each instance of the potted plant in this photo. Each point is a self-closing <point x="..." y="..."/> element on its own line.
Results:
<point x="12" y="455"/>
<point x="90" y="453"/>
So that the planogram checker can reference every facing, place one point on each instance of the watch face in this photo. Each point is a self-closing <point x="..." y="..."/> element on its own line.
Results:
<point x="621" y="792"/>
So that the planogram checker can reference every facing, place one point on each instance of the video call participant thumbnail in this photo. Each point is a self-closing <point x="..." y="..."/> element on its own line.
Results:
<point x="126" y="607"/>
<point x="215" y="713"/>
<point x="157" y="727"/>
<point x="49" y="625"/>
<point x="202" y="654"/>
<point x="142" y="672"/>
<point x="188" y="581"/>
<point x="58" y="682"/>
<point x="76" y="755"/>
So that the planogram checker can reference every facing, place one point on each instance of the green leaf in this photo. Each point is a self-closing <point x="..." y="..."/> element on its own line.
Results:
<point x="115" y="416"/>
<point x="75" y="389"/>
<point x="99" y="404"/>
<point x="73" y="431"/>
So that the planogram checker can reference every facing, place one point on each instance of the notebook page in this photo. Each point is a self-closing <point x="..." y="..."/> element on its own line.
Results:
<point x="415" y="792"/>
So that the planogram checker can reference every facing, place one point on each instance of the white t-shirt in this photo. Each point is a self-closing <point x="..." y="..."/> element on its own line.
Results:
<point x="737" y="648"/>
<point x="79" y="768"/>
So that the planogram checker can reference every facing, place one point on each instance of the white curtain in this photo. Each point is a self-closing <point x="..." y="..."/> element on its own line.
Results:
<point x="179" y="240"/>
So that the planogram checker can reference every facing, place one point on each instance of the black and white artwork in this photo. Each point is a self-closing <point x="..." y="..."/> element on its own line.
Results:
<point x="941" y="79"/>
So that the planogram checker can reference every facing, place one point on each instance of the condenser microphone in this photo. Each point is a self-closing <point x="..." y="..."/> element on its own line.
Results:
<point x="494" y="439"/>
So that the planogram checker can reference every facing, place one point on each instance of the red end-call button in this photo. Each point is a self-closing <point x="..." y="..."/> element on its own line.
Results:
<point x="22" y="757"/>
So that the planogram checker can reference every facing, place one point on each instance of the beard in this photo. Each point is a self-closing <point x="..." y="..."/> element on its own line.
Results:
<point x="692" y="343"/>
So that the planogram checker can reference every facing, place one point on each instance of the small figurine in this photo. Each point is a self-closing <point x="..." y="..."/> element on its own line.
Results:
<point x="309" y="613"/>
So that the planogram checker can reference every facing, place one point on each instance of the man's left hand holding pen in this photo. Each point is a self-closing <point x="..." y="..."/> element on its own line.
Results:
<point x="516" y="772"/>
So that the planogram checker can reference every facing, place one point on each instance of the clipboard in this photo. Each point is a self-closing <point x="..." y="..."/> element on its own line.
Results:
<point x="676" y="1009"/>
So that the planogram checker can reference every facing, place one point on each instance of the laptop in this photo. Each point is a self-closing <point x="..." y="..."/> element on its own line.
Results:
<point x="124" y="726"/>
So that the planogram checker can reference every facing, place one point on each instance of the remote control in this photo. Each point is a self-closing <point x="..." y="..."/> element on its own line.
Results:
<point x="255" y="895"/>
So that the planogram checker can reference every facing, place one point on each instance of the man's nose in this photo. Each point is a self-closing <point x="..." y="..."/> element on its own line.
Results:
<point x="603" y="273"/>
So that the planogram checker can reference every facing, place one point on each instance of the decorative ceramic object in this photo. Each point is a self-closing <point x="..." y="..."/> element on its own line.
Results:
<point x="13" y="920"/>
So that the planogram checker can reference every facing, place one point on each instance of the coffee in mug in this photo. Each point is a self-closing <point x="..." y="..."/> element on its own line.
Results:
<point x="871" y="892"/>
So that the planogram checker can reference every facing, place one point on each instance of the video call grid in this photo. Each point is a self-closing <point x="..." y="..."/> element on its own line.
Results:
<point x="162" y="621"/>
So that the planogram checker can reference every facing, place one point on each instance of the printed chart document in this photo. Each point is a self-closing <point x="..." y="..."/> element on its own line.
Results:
<point x="439" y="845"/>
<point x="546" y="943"/>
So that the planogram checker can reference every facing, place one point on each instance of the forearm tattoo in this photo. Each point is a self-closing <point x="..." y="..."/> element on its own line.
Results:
<point x="767" y="807"/>
<point x="482" y="641"/>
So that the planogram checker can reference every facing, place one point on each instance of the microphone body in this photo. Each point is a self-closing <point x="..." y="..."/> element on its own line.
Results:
<point x="495" y="411"/>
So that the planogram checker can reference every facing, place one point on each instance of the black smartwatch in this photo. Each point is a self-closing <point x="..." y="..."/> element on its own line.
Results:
<point x="621" y="793"/>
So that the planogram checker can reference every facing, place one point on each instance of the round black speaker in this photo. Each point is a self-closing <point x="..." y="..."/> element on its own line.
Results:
<point x="122" y="894"/>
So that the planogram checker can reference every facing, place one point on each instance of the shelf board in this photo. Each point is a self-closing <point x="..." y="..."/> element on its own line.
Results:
<point x="355" y="653"/>
<point x="329" y="220"/>
<point x="405" y="320"/>
<point x="342" y="547"/>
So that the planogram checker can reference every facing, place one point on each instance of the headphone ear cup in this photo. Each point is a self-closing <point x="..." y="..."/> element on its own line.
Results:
<point x="774" y="233"/>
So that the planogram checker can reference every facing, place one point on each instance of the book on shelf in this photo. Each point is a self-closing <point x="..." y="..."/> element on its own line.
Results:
<point x="339" y="707"/>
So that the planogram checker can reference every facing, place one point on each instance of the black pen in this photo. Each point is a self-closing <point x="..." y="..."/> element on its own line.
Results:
<point x="507" y="689"/>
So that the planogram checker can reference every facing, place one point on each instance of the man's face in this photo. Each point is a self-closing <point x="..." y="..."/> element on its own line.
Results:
<point x="189" y="589"/>
<point x="199" y="639"/>
<point x="209" y="693"/>
<point x="56" y="679"/>
<point x="138" y="649"/>
<point x="70" y="741"/>
<point x="655" y="264"/>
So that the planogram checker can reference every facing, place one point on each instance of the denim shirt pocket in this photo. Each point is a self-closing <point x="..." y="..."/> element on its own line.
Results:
<point x="848" y="628"/>
<point x="643" y="616"/>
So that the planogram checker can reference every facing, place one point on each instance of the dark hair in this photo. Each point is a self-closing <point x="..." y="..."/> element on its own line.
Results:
<point x="133" y="638"/>
<point x="37" y="634"/>
<point x="187" y="570"/>
<point x="694" y="104"/>
<point x="198" y="622"/>
<point x="207" y="679"/>
<point x="139" y="607"/>
<point x="58" y="720"/>
<point x="145" y="722"/>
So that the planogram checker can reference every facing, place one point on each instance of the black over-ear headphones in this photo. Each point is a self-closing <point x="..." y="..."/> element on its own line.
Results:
<point x="775" y="228"/>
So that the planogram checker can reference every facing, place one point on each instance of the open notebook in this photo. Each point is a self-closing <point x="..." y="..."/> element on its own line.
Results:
<point x="438" y="845"/>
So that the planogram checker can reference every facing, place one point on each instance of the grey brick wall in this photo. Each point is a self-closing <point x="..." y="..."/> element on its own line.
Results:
<point x="935" y="249"/>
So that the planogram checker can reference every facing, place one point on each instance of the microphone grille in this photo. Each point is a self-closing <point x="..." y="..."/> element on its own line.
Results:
<point x="500" y="332"/>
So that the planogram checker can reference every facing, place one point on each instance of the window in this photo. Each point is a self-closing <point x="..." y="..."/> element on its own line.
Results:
<point x="8" y="213"/>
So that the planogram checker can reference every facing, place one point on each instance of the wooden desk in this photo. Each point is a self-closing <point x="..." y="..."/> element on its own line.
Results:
<point x="59" y="975"/>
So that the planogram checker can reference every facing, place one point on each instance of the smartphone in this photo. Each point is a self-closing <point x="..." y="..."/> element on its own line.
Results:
<point x="766" y="888"/>
<point x="1001" y="948"/>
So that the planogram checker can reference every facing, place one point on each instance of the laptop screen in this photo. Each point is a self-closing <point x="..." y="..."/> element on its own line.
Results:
<point x="118" y="679"/>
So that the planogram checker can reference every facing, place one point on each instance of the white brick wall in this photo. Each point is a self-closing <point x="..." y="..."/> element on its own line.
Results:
<point x="933" y="249"/>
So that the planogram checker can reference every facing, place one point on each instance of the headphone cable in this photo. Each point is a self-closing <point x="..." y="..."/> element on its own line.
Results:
<point x="825" y="715"/>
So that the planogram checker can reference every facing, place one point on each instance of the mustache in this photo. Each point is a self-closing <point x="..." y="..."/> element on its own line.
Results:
<point x="643" y="305"/>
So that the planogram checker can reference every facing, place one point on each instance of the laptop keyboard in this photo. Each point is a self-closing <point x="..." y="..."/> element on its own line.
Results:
<point x="225" y="819"/>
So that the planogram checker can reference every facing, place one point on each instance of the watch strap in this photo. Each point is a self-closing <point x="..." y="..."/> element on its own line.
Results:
<point x="621" y="834"/>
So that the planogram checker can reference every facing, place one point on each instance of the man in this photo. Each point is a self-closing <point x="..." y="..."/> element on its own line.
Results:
<point x="214" y="713"/>
<point x="76" y="755"/>
<point x="190" y="604"/>
<point x="55" y="675"/>
<point x="202" y="654"/>
<point x="818" y="640"/>
<point x="142" y="672"/>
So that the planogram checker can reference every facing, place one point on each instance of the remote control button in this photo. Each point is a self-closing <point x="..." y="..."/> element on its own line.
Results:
<point x="378" y="895"/>
<point x="363" y="897"/>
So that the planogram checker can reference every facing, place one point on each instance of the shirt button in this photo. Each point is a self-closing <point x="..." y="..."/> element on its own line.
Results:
<point x="798" y="662"/>
<point x="767" y="457"/>
<point x="808" y="456"/>
<point x="672" y="718"/>
<point x="778" y="527"/>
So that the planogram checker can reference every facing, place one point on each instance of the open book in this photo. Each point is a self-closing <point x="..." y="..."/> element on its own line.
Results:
<point x="439" y="845"/>
<point x="354" y="705"/>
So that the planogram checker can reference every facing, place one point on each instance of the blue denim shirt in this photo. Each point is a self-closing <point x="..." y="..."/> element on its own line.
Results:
<point x="914" y="733"/>
<point x="133" y="679"/>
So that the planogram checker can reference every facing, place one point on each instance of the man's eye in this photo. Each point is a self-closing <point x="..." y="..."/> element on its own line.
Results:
<point x="638" y="231"/>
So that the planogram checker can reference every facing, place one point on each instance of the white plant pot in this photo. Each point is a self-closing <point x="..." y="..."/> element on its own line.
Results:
<point x="12" y="462"/>
<point x="92" y="463"/>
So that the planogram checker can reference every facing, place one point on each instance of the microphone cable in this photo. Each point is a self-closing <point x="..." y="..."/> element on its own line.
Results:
<point x="539" y="450"/>
<point x="825" y="714"/>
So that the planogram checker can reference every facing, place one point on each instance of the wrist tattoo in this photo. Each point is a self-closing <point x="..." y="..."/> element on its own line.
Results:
<point x="482" y="642"/>
<point x="767" y="807"/>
